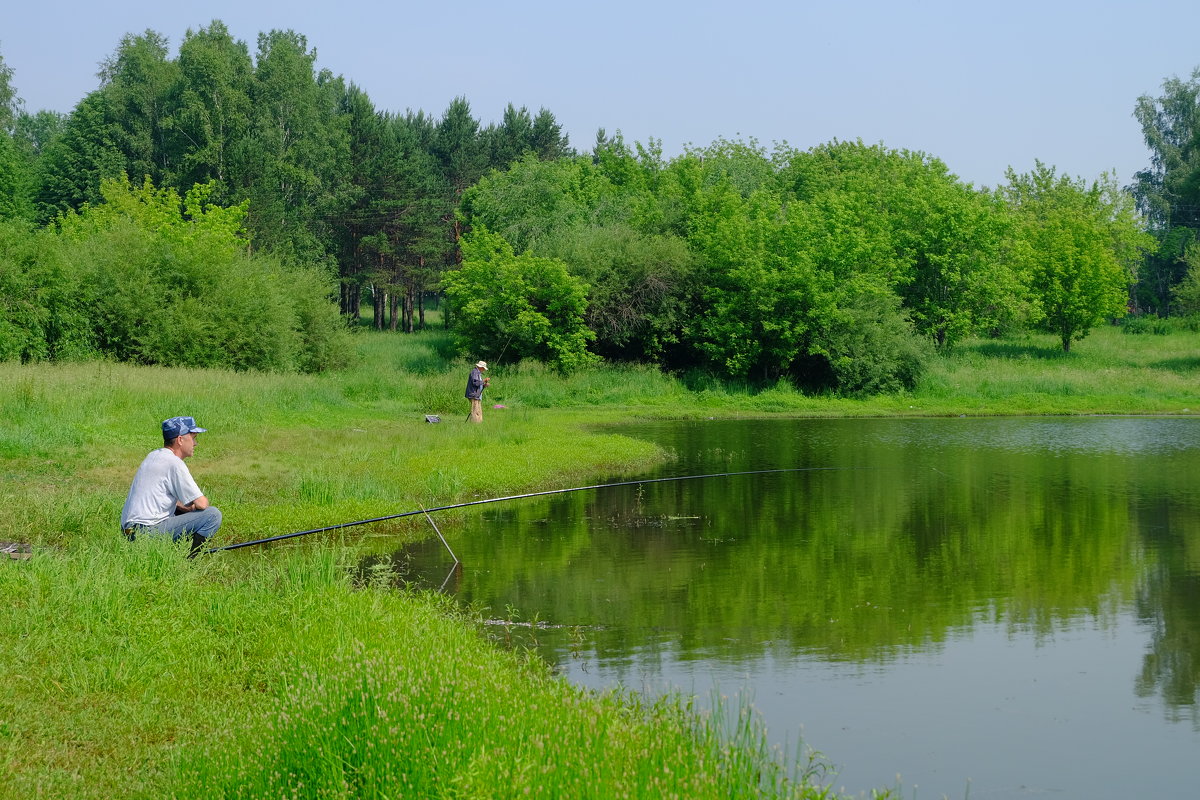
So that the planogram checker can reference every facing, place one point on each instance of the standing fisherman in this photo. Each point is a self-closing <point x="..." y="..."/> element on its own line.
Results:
<point x="476" y="383"/>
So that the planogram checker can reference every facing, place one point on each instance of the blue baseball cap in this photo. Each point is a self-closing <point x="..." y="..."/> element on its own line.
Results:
<point x="175" y="427"/>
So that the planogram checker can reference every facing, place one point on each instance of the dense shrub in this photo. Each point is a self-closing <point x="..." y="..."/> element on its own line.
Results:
<point x="1160" y="326"/>
<point x="149" y="278"/>
<point x="517" y="307"/>
<point x="867" y="346"/>
<point x="22" y="317"/>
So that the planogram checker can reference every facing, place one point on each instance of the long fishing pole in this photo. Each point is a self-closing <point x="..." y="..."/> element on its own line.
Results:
<point x="426" y="511"/>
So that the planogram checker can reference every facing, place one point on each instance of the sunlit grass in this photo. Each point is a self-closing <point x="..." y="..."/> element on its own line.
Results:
<point x="1106" y="373"/>
<point x="132" y="672"/>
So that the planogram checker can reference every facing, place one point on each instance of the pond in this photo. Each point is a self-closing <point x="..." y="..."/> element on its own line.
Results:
<point x="991" y="608"/>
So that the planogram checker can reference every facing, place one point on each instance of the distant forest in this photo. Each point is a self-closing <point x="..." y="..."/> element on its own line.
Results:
<point x="228" y="208"/>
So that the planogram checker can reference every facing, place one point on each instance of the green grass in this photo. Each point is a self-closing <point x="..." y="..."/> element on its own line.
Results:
<point x="131" y="672"/>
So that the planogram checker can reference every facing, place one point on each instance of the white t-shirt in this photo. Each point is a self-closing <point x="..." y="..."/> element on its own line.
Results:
<point x="161" y="481"/>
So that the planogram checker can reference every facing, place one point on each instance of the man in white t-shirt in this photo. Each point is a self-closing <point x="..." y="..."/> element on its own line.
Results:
<point x="163" y="498"/>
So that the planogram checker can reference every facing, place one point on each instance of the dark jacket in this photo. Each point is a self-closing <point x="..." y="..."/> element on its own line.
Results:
<point x="475" y="385"/>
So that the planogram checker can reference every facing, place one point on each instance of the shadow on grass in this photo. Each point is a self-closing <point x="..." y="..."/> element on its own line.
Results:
<point x="1018" y="350"/>
<point x="1180" y="366"/>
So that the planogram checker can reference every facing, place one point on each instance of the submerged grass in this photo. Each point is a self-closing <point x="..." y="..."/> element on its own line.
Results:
<point x="269" y="673"/>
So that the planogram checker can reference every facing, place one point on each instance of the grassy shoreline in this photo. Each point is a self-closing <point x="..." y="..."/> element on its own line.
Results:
<point x="134" y="673"/>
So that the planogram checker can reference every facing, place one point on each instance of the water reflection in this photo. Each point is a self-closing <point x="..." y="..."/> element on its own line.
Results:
<point x="947" y="599"/>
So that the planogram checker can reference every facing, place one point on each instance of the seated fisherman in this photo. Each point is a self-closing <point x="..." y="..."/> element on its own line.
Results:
<point x="163" y="499"/>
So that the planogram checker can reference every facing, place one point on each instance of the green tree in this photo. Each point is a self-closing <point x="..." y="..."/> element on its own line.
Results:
<point x="24" y="312"/>
<point x="513" y="307"/>
<point x="293" y="162"/>
<point x="210" y="106"/>
<point x="33" y="132"/>
<point x="761" y="290"/>
<point x="459" y="147"/>
<point x="116" y="129"/>
<point x="640" y="280"/>
<point x="536" y="199"/>
<point x="519" y="133"/>
<point x="798" y="274"/>
<point x="23" y="138"/>
<point x="512" y="138"/>
<point x="393" y="231"/>
<point x="136" y="80"/>
<point x="14" y="181"/>
<point x="1078" y="247"/>
<point x="640" y="288"/>
<point x="1186" y="294"/>
<point x="1168" y="191"/>
<point x="547" y="138"/>
<point x="73" y="165"/>
<point x="10" y="102"/>
<point x="941" y="239"/>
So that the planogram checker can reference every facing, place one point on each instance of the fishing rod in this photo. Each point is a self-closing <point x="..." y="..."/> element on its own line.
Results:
<point x="426" y="511"/>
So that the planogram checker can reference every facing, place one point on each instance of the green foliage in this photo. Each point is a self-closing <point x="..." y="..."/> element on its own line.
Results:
<point x="209" y="108"/>
<point x="639" y="286"/>
<point x="75" y="163"/>
<point x="802" y="289"/>
<point x="22" y="317"/>
<point x="870" y="345"/>
<point x="730" y="258"/>
<point x="1168" y="191"/>
<point x="42" y="314"/>
<point x="514" y="307"/>
<point x="535" y="199"/>
<point x="159" y="280"/>
<point x="769" y="241"/>
<point x="1077" y="246"/>
<point x="761" y="295"/>
<point x="14" y="181"/>
<point x="1186" y="294"/>
<point x="135" y="78"/>
<point x="519" y="134"/>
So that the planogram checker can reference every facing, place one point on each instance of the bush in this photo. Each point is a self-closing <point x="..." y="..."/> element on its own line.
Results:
<point x="870" y="345"/>
<point x="517" y="307"/>
<point x="1145" y="323"/>
<point x="152" y="279"/>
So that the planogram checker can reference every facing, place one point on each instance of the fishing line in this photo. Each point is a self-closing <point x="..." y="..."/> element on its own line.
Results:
<point x="426" y="511"/>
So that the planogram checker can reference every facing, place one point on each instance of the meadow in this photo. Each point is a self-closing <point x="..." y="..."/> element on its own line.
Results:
<point x="281" y="671"/>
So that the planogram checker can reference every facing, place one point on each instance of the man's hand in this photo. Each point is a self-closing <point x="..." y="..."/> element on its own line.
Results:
<point x="199" y="504"/>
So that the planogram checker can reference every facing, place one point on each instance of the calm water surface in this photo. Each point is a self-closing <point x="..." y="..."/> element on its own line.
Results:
<point x="1001" y="608"/>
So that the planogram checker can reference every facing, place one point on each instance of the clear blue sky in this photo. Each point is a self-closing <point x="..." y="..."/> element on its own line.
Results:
<point x="980" y="85"/>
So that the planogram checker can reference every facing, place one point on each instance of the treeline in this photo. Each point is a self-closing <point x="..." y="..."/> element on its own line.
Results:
<point x="840" y="267"/>
<point x="327" y="182"/>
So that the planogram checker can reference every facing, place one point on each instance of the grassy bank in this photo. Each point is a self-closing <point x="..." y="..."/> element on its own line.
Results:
<point x="134" y="673"/>
<point x="131" y="672"/>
